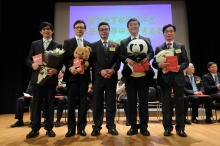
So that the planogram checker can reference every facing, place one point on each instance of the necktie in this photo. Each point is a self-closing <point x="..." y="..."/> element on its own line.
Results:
<point x="193" y="84"/>
<point x="169" y="45"/>
<point x="105" y="46"/>
<point x="134" y="38"/>
<point x="216" y="80"/>
<point x="79" y="42"/>
<point x="46" y="43"/>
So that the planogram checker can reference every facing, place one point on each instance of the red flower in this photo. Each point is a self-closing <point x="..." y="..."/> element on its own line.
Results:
<point x="113" y="45"/>
<point x="197" y="79"/>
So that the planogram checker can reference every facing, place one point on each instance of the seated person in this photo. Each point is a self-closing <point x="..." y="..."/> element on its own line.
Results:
<point x="61" y="90"/>
<point x="122" y="97"/>
<point x="211" y="81"/>
<point x="89" y="94"/>
<point x="20" y="104"/>
<point x="193" y="89"/>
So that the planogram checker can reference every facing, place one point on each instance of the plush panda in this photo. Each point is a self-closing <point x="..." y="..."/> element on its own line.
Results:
<point x="136" y="50"/>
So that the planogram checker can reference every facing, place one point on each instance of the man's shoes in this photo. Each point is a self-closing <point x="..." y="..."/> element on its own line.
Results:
<point x="81" y="132"/>
<point x="18" y="124"/>
<point x="209" y="121"/>
<point x="144" y="132"/>
<point x="50" y="133"/>
<point x="43" y="124"/>
<point x="187" y="122"/>
<point x="181" y="133"/>
<point x="194" y="120"/>
<point x="70" y="133"/>
<point x="32" y="134"/>
<point x="167" y="133"/>
<point x="95" y="132"/>
<point x="57" y="123"/>
<point x="132" y="131"/>
<point x="113" y="131"/>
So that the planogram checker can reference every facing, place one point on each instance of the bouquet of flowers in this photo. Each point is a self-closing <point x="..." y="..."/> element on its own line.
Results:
<point x="50" y="59"/>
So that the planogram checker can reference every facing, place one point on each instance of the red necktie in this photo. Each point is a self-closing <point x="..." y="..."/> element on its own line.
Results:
<point x="169" y="45"/>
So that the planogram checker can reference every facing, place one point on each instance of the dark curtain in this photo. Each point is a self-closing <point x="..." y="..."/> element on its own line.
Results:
<point x="19" y="26"/>
<point x="203" y="26"/>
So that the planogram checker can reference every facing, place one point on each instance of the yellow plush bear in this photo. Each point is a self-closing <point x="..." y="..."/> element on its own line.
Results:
<point x="81" y="55"/>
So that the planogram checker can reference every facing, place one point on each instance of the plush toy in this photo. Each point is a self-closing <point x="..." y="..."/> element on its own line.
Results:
<point x="136" y="51"/>
<point x="81" y="55"/>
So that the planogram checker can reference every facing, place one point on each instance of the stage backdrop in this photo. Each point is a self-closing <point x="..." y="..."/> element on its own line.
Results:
<point x="152" y="17"/>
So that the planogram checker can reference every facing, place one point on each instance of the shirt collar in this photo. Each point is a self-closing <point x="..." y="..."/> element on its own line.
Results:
<point x="132" y="37"/>
<point x="104" y="41"/>
<point x="47" y="40"/>
<point x="78" y="38"/>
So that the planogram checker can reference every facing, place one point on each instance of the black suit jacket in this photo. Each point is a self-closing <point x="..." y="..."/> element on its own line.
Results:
<point x="149" y="55"/>
<point x="38" y="48"/>
<point x="209" y="83"/>
<point x="163" y="79"/>
<point x="188" y="90"/>
<point x="70" y="45"/>
<point x="101" y="61"/>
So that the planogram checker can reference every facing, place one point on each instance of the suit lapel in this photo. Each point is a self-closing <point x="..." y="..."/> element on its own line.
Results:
<point x="51" y="45"/>
<point x="102" y="49"/>
<point x="41" y="46"/>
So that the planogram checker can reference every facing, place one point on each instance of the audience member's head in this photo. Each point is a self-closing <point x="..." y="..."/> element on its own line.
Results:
<point x="212" y="67"/>
<point x="190" y="70"/>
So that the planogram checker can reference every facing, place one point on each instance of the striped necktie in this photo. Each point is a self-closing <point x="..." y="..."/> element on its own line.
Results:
<point x="216" y="80"/>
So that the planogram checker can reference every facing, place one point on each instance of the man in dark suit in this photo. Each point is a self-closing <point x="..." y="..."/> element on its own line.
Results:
<point x="104" y="77"/>
<point x="60" y="102"/>
<point x="47" y="91"/>
<point x="77" y="84"/>
<point x="137" y="86"/>
<point x="193" y="91"/>
<point x="20" y="104"/>
<point x="168" y="80"/>
<point x="211" y="82"/>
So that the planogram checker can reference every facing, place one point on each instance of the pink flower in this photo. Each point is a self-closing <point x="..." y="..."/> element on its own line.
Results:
<point x="113" y="45"/>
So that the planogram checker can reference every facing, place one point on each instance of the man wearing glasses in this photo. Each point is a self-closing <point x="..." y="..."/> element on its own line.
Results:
<point x="77" y="84"/>
<point x="175" y="79"/>
<point x="105" y="66"/>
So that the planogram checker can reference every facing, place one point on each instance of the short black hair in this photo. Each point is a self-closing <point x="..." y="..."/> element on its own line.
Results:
<point x="103" y="23"/>
<point x="169" y="25"/>
<point x="133" y="19"/>
<point x="44" y="24"/>
<point x="211" y="63"/>
<point x="79" y="21"/>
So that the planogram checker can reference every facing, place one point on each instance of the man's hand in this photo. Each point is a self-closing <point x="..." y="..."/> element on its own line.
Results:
<point x="144" y="60"/>
<point x="110" y="71"/>
<point x="177" y="70"/>
<point x="198" y="93"/>
<point x="131" y="62"/>
<point x="163" y="64"/>
<point x="36" y="66"/>
<point x="105" y="74"/>
<point x="73" y="70"/>
<point x="51" y="71"/>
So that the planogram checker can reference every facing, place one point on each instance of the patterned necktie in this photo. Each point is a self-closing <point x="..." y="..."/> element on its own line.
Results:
<point x="46" y="43"/>
<point x="169" y="45"/>
<point x="216" y="80"/>
<point x="193" y="84"/>
<point x="79" y="42"/>
<point x="105" y="46"/>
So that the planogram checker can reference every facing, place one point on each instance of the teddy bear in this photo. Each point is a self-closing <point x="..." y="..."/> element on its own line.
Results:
<point x="81" y="55"/>
<point x="136" y="51"/>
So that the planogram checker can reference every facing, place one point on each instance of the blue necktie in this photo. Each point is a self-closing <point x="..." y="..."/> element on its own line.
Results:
<point x="216" y="80"/>
<point x="193" y="84"/>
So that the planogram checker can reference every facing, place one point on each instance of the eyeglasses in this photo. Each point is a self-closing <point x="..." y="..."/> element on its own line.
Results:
<point x="46" y="28"/>
<point x="78" y="27"/>
<point x="168" y="31"/>
<point x="103" y="29"/>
